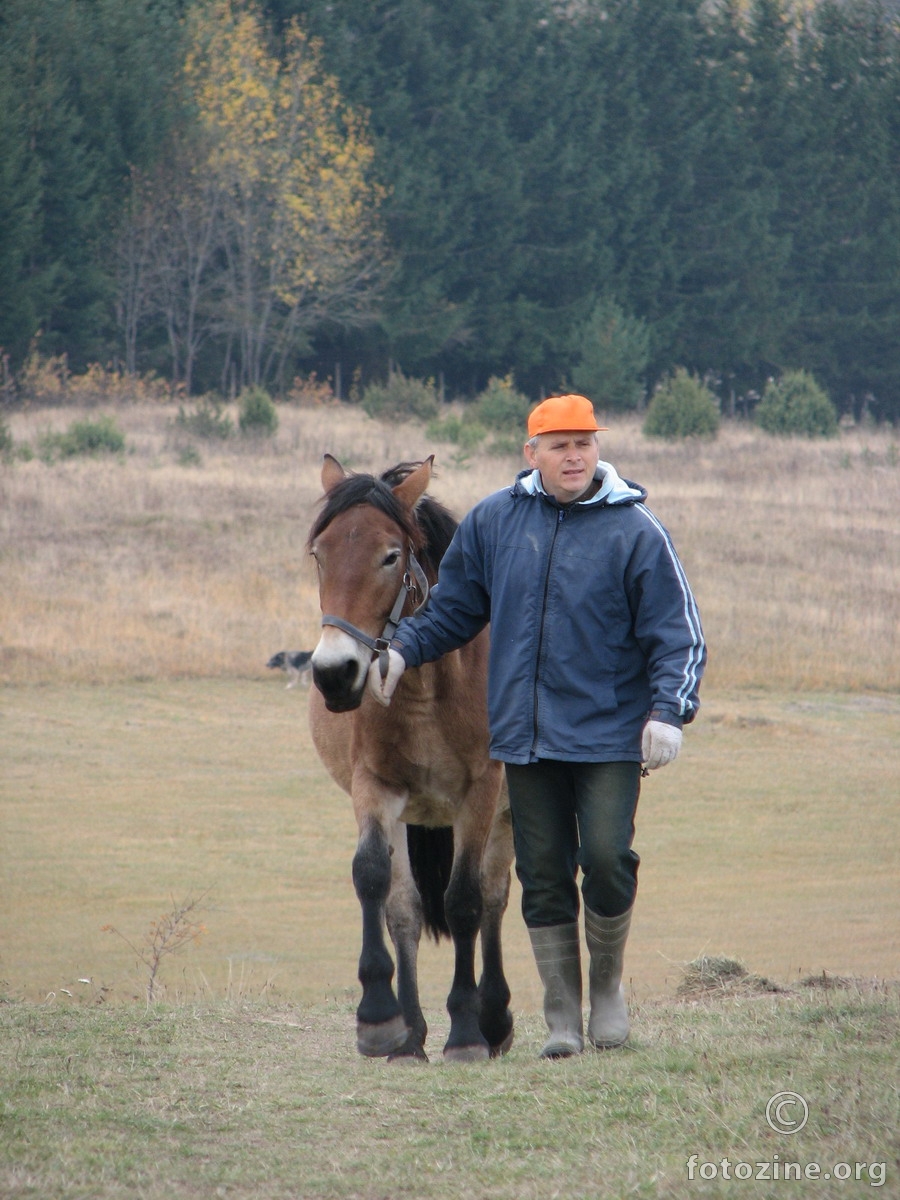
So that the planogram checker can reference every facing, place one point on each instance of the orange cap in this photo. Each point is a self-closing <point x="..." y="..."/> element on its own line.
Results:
<point x="559" y="413"/>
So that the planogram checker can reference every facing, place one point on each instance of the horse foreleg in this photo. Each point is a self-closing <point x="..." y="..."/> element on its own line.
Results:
<point x="463" y="906"/>
<point x="404" y="922"/>
<point x="495" y="1018"/>
<point x="380" y="1027"/>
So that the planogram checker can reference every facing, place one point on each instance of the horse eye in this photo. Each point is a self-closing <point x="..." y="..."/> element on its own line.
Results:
<point x="391" y="558"/>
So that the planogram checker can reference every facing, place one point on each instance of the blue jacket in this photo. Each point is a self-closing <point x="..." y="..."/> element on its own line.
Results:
<point x="593" y="623"/>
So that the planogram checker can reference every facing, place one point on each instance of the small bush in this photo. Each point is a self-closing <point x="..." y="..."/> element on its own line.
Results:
<point x="311" y="392"/>
<point x="500" y="407"/>
<point x="795" y="404"/>
<point x="206" y="421"/>
<point x="401" y="397"/>
<point x="48" y="381"/>
<point x="614" y="350"/>
<point x="258" y="414"/>
<point x="7" y="444"/>
<point x="44" y="380"/>
<point x="102" y="436"/>
<point x="682" y="407"/>
<point x="461" y="431"/>
<point x="510" y="445"/>
<point x="189" y="456"/>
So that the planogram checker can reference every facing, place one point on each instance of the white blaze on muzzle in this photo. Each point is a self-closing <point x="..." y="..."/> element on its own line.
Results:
<point x="335" y="649"/>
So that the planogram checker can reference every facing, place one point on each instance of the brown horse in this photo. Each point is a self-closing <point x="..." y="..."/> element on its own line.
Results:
<point x="435" y="840"/>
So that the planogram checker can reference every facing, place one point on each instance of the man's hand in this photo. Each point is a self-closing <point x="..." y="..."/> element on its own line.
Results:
<point x="383" y="689"/>
<point x="660" y="744"/>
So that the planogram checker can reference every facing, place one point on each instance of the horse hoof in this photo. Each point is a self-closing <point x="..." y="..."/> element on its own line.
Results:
<point x="467" y="1054"/>
<point x="379" y="1041"/>
<point x="408" y="1056"/>
<point x="412" y="1051"/>
<point x="503" y="1048"/>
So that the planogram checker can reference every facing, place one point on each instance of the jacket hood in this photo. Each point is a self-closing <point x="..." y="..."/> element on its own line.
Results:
<point x="613" y="488"/>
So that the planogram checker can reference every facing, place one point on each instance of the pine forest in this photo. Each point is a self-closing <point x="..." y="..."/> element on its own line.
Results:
<point x="560" y="193"/>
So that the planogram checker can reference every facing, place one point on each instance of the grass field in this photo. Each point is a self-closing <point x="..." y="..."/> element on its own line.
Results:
<point x="149" y="758"/>
<point x="248" y="1102"/>
<point x="160" y="565"/>
<point x="773" y="839"/>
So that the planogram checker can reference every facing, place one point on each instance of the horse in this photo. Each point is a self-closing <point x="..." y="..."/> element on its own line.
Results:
<point x="435" y="835"/>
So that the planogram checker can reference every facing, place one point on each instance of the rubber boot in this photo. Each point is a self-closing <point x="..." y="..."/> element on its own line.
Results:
<point x="606" y="937"/>
<point x="557" y="952"/>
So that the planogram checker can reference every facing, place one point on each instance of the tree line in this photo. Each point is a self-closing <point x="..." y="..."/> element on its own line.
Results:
<point x="586" y="193"/>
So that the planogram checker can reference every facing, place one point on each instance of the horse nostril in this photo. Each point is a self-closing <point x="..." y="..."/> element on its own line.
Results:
<point x="336" y="678"/>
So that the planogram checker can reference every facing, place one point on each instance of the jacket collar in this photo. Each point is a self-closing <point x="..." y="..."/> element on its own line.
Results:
<point x="613" y="488"/>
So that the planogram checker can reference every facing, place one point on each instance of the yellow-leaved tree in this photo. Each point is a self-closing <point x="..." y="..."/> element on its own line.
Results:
<point x="289" y="165"/>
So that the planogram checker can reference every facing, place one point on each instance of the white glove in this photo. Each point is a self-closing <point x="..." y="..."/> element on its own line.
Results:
<point x="660" y="744"/>
<point x="383" y="689"/>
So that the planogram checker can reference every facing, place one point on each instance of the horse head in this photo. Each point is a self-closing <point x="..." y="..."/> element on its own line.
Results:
<point x="364" y="544"/>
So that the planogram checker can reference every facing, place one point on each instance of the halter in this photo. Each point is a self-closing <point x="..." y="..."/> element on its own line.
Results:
<point x="414" y="586"/>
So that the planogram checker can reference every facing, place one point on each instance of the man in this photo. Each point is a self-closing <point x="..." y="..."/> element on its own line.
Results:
<point x="596" y="659"/>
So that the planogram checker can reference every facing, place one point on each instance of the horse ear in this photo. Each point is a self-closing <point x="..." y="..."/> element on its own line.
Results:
<point x="332" y="473"/>
<point x="411" y="490"/>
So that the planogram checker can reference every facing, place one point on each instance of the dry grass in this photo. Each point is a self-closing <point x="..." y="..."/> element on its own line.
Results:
<point x="145" y="568"/>
<point x="773" y="839"/>
<point x="718" y="975"/>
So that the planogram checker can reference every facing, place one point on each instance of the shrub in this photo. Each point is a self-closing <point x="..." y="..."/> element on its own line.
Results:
<point x="614" y="351"/>
<point x="682" y="407"/>
<point x="206" y="421"/>
<point x="106" y="385"/>
<point x="48" y="381"/>
<point x="188" y="456"/>
<point x="7" y="444"/>
<point x="258" y="414"/>
<point x="500" y="407"/>
<point x="401" y="397"/>
<point x="44" y="380"/>
<point x="102" y="436"/>
<point x="508" y="444"/>
<point x="311" y="392"/>
<point x="461" y="431"/>
<point x="795" y="404"/>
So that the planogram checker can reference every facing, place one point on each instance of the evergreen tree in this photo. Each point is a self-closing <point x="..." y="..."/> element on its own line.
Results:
<point x="492" y="206"/>
<point x="613" y="354"/>
<point x="726" y="173"/>
<point x="733" y="255"/>
<point x="696" y="254"/>
<point x="762" y="39"/>
<point x="21" y="288"/>
<point x="845" y="206"/>
<point x="71" y="249"/>
<point x="90" y="78"/>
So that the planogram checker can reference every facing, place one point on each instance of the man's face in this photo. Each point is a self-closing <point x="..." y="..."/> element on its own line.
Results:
<point x="566" y="461"/>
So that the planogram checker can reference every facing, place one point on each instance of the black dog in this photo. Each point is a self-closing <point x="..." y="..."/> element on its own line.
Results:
<point x="295" y="663"/>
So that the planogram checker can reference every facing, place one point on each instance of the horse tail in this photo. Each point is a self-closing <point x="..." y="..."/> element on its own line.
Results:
<point x="431" y="860"/>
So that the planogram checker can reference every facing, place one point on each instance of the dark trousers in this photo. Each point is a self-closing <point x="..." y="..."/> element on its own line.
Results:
<point x="571" y="815"/>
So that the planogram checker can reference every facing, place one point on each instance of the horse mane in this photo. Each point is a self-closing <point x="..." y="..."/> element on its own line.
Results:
<point x="430" y="527"/>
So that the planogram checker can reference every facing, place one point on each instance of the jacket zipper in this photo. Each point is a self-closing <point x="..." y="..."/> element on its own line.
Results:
<point x="561" y="516"/>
